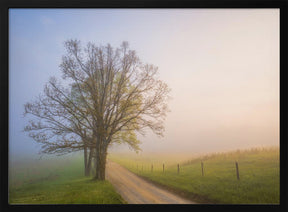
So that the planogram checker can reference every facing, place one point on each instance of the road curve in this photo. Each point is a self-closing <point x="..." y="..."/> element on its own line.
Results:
<point x="135" y="190"/>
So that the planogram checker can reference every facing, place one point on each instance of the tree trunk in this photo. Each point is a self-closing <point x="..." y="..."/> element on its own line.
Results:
<point x="95" y="164"/>
<point x="100" y="159"/>
<point x="88" y="168"/>
<point x="85" y="161"/>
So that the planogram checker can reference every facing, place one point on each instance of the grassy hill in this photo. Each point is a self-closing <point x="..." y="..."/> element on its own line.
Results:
<point x="259" y="181"/>
<point x="57" y="181"/>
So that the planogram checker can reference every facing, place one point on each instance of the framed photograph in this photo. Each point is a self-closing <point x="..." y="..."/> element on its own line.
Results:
<point x="144" y="105"/>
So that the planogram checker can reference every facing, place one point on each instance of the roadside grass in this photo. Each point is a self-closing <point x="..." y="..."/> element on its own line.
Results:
<point x="57" y="181"/>
<point x="258" y="168"/>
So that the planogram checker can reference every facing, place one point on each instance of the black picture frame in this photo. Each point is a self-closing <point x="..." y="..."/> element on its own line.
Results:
<point x="5" y="5"/>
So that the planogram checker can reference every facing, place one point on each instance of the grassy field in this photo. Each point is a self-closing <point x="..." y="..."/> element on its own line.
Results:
<point x="258" y="171"/>
<point x="57" y="181"/>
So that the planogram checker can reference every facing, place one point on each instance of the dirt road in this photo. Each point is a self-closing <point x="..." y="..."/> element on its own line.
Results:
<point x="138" y="191"/>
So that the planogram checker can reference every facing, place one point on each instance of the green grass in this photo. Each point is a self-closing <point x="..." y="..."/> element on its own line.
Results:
<point x="259" y="175"/>
<point x="57" y="181"/>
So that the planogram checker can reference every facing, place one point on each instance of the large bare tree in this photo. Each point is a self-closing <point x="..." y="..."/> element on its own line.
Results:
<point x="111" y="97"/>
<point x="58" y="122"/>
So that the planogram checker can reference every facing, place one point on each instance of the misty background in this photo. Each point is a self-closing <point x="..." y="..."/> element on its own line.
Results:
<point x="222" y="66"/>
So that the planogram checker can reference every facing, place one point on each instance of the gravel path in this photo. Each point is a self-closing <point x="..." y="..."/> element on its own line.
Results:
<point x="138" y="191"/>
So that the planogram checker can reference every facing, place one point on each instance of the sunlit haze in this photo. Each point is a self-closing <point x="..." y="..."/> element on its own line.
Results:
<point x="222" y="66"/>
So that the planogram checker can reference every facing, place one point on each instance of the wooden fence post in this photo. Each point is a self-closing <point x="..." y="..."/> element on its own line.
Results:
<point x="178" y="168"/>
<point x="237" y="171"/>
<point x="202" y="168"/>
<point x="142" y="167"/>
<point x="151" y="167"/>
<point x="163" y="167"/>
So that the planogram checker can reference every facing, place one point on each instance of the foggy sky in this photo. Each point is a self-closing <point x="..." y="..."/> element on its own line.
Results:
<point x="221" y="64"/>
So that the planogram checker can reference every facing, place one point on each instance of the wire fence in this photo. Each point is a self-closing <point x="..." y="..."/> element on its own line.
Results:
<point x="177" y="168"/>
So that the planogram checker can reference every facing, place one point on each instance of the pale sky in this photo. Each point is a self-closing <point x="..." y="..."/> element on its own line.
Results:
<point x="221" y="64"/>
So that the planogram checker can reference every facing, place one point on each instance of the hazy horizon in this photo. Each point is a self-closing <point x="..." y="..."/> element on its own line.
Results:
<point x="222" y="66"/>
